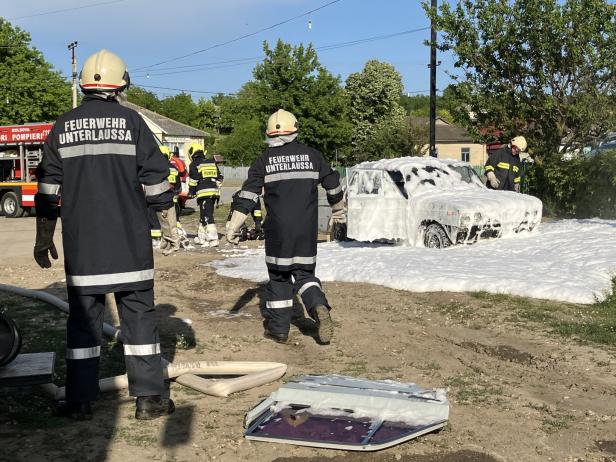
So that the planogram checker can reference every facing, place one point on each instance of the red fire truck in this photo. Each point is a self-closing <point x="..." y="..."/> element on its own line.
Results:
<point x="21" y="149"/>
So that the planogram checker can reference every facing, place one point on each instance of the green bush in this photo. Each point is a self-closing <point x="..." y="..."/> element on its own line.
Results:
<point x="576" y="188"/>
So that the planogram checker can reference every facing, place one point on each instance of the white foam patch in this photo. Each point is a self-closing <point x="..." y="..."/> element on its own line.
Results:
<point x="569" y="260"/>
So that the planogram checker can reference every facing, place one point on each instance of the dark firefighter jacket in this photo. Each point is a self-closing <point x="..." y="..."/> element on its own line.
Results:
<point x="203" y="174"/>
<point x="506" y="167"/>
<point x="100" y="157"/>
<point x="256" y="211"/>
<point x="289" y="175"/>
<point x="174" y="178"/>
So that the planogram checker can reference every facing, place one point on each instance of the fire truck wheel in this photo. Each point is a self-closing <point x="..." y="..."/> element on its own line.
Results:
<point x="10" y="205"/>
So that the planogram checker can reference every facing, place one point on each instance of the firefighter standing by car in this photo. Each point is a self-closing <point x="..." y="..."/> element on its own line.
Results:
<point x="289" y="173"/>
<point x="502" y="168"/>
<point x="96" y="158"/>
<point x="204" y="183"/>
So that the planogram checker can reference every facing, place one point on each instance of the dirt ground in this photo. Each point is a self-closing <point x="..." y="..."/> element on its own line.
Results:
<point x="517" y="391"/>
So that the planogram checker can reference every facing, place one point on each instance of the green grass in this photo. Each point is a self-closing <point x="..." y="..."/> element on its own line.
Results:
<point x="553" y="420"/>
<point x="490" y="297"/>
<point x="136" y="434"/>
<point x="595" y="324"/>
<point x="43" y="329"/>
<point x="472" y="389"/>
<point x="457" y="310"/>
<point x="356" y="367"/>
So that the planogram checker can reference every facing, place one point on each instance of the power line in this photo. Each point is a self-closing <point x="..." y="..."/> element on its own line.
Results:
<point x="241" y="37"/>
<point x="65" y="10"/>
<point x="242" y="61"/>
<point x="188" y="66"/>
<point x="370" y="39"/>
<point x="185" y="90"/>
<point x="204" y="67"/>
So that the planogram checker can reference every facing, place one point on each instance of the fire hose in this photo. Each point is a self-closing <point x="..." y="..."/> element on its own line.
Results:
<point x="251" y="373"/>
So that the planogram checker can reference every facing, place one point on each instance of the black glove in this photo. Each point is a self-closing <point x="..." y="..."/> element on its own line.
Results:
<point x="44" y="242"/>
<point x="192" y="192"/>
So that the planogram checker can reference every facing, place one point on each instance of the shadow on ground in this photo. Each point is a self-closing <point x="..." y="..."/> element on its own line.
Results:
<point x="458" y="456"/>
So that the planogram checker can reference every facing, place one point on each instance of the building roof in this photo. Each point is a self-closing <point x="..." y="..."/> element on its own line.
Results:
<point x="169" y="126"/>
<point x="445" y="132"/>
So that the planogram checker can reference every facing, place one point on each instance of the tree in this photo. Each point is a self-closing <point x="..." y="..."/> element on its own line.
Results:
<point x="244" y="144"/>
<point x="542" y="68"/>
<point x="290" y="78"/>
<point x="180" y="107"/>
<point x="207" y="115"/>
<point x="403" y="139"/>
<point x="419" y="106"/>
<point x="143" y="98"/>
<point x="30" y="90"/>
<point x="374" y="106"/>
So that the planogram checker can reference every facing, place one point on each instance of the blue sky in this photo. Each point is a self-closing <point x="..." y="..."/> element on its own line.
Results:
<point x="145" y="32"/>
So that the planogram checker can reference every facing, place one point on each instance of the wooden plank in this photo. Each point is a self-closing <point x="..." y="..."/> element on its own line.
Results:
<point x="28" y="369"/>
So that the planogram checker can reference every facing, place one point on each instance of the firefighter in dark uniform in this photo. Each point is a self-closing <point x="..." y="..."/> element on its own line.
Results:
<point x="204" y="182"/>
<point x="502" y="168"/>
<point x="155" y="232"/>
<point x="100" y="158"/>
<point x="289" y="173"/>
<point x="175" y="181"/>
<point x="257" y="217"/>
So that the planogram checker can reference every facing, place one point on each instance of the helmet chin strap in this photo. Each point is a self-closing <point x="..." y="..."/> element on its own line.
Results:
<point x="281" y="140"/>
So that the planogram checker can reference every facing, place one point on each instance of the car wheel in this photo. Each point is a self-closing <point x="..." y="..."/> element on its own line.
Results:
<point x="339" y="232"/>
<point x="10" y="205"/>
<point x="435" y="237"/>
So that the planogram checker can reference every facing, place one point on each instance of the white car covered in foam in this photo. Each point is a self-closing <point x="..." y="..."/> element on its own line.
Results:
<point x="430" y="202"/>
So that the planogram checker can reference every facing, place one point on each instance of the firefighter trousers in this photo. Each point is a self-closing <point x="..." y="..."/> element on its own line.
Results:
<point x="280" y="293"/>
<point x="139" y="333"/>
<point x="206" y="210"/>
<point x="178" y="208"/>
<point x="155" y="231"/>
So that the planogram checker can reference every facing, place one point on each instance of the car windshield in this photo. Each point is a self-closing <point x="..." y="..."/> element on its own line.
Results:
<point x="609" y="146"/>
<point x="468" y="173"/>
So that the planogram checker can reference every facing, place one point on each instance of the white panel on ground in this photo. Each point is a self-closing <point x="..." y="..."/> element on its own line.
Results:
<point x="339" y="412"/>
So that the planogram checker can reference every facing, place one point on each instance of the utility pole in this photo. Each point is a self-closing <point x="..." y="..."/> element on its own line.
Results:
<point x="432" y="67"/>
<point x="72" y="46"/>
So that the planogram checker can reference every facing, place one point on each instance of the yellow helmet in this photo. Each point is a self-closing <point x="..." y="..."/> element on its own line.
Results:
<point x="165" y="150"/>
<point x="193" y="148"/>
<point x="519" y="142"/>
<point x="281" y="122"/>
<point x="104" y="71"/>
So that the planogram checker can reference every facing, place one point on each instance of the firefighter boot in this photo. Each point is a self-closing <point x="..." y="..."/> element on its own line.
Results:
<point x="211" y="234"/>
<point x="325" y="325"/>
<point x="184" y="242"/>
<point x="76" y="411"/>
<point x="200" y="239"/>
<point x="275" y="336"/>
<point x="153" y="407"/>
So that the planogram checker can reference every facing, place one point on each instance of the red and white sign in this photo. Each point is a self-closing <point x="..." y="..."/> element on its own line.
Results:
<point x="32" y="133"/>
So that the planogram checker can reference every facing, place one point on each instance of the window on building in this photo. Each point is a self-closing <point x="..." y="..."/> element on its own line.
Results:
<point x="465" y="154"/>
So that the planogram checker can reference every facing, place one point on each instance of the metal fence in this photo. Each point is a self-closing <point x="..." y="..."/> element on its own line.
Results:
<point x="238" y="174"/>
